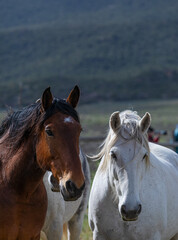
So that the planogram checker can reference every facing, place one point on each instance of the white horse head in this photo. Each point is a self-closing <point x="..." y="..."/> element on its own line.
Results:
<point x="125" y="154"/>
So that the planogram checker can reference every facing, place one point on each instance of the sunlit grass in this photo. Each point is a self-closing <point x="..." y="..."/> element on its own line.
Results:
<point x="86" y="232"/>
<point x="95" y="117"/>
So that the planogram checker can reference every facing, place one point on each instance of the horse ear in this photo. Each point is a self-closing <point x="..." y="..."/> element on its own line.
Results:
<point x="46" y="99"/>
<point x="115" y="121"/>
<point x="145" y="122"/>
<point x="73" y="97"/>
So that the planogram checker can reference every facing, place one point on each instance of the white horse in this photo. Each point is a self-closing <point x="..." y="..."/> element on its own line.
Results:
<point x="135" y="190"/>
<point x="60" y="212"/>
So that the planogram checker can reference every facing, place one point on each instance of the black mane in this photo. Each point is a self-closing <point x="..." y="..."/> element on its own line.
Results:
<point x="60" y="105"/>
<point x="19" y="125"/>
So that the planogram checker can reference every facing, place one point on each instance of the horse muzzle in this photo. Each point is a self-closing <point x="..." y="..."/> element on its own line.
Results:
<point x="70" y="192"/>
<point x="130" y="215"/>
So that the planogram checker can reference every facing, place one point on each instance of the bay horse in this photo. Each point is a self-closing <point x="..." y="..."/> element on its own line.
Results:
<point x="65" y="218"/>
<point x="134" y="194"/>
<point x="43" y="136"/>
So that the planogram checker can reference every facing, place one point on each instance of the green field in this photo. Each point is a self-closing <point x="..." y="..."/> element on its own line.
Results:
<point x="95" y="117"/>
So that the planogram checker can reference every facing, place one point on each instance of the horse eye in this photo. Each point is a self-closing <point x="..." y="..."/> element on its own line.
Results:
<point x="145" y="156"/>
<point x="49" y="132"/>
<point x="113" y="155"/>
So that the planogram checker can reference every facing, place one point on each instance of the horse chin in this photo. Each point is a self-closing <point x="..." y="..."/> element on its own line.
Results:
<point x="67" y="197"/>
<point x="55" y="190"/>
<point x="129" y="220"/>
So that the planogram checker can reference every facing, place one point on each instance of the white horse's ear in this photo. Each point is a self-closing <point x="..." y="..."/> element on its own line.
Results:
<point x="145" y="122"/>
<point x="115" y="121"/>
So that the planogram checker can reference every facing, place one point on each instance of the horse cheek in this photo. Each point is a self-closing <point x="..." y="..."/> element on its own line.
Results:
<point x="43" y="153"/>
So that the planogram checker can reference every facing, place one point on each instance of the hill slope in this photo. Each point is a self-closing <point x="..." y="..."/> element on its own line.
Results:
<point x="113" y="49"/>
<point x="25" y="13"/>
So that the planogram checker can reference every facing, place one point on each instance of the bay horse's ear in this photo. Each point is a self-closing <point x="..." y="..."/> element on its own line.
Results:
<point x="145" y="122"/>
<point x="115" y="121"/>
<point x="47" y="99"/>
<point x="73" y="97"/>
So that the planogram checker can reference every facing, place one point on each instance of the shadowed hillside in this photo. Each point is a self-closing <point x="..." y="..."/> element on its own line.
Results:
<point x="113" y="49"/>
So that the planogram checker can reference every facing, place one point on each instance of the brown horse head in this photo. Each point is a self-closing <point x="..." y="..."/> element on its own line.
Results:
<point x="57" y="147"/>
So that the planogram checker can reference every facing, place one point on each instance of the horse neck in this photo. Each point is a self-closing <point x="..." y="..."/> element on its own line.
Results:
<point x="21" y="171"/>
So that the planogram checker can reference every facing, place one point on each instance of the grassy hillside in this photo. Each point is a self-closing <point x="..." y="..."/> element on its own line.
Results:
<point x="113" y="49"/>
<point x="25" y="13"/>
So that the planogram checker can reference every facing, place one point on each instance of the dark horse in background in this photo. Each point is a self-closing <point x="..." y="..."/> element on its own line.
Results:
<point x="43" y="136"/>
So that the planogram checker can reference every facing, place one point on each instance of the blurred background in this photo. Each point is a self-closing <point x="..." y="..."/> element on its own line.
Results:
<point x="123" y="54"/>
<point x="113" y="49"/>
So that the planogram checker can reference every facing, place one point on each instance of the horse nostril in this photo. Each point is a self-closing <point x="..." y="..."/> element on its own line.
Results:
<point x="139" y="209"/>
<point x="73" y="191"/>
<point x="70" y="186"/>
<point x="123" y="210"/>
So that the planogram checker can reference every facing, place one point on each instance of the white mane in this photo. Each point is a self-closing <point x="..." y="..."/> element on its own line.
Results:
<point x="129" y="129"/>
